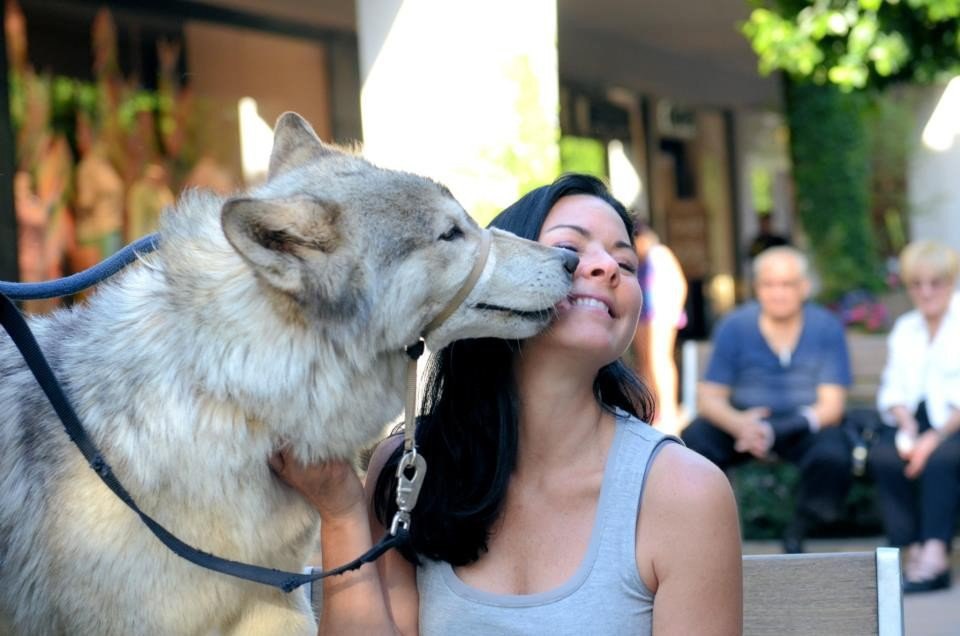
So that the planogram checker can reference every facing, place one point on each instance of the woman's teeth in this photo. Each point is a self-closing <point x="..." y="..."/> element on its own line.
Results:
<point x="590" y="302"/>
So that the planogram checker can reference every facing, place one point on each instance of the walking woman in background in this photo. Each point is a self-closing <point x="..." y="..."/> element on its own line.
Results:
<point x="916" y="461"/>
<point x="549" y="506"/>
<point x="664" y="290"/>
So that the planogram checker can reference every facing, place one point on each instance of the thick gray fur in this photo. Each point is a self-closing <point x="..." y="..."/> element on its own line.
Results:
<point x="275" y="317"/>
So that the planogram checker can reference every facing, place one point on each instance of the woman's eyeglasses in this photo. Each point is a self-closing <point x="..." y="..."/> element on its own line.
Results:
<point x="934" y="284"/>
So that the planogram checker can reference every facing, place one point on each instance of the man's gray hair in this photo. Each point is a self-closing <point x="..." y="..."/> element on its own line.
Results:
<point x="782" y="251"/>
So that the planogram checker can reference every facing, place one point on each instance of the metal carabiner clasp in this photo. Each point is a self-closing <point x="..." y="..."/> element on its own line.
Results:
<point x="408" y="485"/>
<point x="408" y="488"/>
<point x="401" y="520"/>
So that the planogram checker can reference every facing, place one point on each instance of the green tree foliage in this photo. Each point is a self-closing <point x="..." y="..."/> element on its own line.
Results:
<point x="533" y="159"/>
<point x="857" y="43"/>
<point x="890" y="123"/>
<point x="829" y="148"/>
<point x="584" y="155"/>
<point x="834" y="55"/>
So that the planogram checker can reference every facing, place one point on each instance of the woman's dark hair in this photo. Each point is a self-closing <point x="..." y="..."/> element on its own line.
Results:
<point x="468" y="428"/>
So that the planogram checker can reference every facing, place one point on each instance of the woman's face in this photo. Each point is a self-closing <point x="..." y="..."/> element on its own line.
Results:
<point x="600" y="314"/>
<point x="930" y="291"/>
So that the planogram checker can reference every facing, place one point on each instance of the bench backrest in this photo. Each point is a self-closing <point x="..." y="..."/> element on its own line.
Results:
<point x="847" y="593"/>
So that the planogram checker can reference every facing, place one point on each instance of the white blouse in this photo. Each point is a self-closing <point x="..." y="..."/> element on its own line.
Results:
<point x="920" y="369"/>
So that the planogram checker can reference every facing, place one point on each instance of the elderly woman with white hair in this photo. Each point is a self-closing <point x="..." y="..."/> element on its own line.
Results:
<point x="916" y="460"/>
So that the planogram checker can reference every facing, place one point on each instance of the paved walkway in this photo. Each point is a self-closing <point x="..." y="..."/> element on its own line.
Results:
<point x="930" y="614"/>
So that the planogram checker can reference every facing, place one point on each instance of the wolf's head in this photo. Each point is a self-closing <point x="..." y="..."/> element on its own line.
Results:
<point x="379" y="253"/>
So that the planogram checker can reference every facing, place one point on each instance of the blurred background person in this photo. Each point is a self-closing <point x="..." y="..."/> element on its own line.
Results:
<point x="776" y="386"/>
<point x="765" y="237"/>
<point x="916" y="460"/>
<point x="664" y="296"/>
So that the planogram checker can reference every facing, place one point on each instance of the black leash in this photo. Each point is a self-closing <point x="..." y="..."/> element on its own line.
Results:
<point x="23" y="338"/>
<point x="81" y="280"/>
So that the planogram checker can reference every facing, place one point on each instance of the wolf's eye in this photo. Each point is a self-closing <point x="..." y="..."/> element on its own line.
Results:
<point x="452" y="234"/>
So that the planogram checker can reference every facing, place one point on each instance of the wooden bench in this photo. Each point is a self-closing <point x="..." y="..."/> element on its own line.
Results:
<point x="868" y="354"/>
<point x="842" y="593"/>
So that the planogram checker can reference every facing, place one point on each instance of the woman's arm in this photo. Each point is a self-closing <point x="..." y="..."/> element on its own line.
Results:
<point x="397" y="575"/>
<point x="688" y="546"/>
<point x="334" y="490"/>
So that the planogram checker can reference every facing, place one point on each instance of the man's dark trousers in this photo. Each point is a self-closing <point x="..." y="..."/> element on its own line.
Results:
<point x="823" y="458"/>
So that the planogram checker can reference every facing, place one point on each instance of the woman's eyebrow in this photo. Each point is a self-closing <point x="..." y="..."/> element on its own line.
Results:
<point x="575" y="228"/>
<point x="583" y="232"/>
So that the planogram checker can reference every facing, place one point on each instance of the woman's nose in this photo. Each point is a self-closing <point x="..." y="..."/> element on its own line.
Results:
<point x="600" y="265"/>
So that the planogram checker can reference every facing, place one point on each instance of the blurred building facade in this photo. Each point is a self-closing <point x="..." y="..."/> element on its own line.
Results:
<point x="130" y="102"/>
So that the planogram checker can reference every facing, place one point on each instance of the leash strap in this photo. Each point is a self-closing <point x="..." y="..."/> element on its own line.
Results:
<point x="16" y="326"/>
<point x="412" y="467"/>
<point x="416" y="350"/>
<point x="81" y="280"/>
<point x="479" y="263"/>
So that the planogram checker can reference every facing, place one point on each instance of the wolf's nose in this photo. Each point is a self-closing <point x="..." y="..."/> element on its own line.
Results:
<point x="570" y="261"/>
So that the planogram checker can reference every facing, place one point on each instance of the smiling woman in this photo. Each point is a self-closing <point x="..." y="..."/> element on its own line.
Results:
<point x="550" y="503"/>
<point x="601" y="312"/>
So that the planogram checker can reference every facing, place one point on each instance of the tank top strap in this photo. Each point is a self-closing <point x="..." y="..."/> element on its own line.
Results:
<point x="638" y="445"/>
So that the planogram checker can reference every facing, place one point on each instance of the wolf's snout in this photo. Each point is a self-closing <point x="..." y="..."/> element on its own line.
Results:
<point x="570" y="261"/>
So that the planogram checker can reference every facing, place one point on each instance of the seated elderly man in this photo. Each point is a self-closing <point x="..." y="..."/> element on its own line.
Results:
<point x="776" y="386"/>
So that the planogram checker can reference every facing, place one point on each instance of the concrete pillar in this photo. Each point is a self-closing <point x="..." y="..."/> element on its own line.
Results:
<point x="464" y="92"/>
<point x="933" y="186"/>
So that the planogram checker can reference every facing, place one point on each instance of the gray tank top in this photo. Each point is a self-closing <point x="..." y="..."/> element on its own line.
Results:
<point x="604" y="596"/>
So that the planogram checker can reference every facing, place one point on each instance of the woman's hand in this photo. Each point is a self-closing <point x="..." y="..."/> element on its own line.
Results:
<point x="922" y="449"/>
<point x="332" y="487"/>
<point x="354" y="602"/>
<point x="906" y="437"/>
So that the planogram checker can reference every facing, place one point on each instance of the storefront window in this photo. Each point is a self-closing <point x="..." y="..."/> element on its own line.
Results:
<point x="114" y="115"/>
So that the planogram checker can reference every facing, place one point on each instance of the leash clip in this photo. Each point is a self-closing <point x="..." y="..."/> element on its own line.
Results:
<point x="408" y="488"/>
<point x="401" y="521"/>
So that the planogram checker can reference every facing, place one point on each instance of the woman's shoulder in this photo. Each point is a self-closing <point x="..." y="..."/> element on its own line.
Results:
<point x="674" y="461"/>
<point x="907" y="323"/>
<point x="683" y="482"/>
<point x="688" y="541"/>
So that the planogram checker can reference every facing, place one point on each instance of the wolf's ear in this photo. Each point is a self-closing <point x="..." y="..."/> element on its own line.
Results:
<point x="276" y="236"/>
<point x="294" y="144"/>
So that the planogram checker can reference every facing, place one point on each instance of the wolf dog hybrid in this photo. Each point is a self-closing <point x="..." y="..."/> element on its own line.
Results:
<point x="279" y="316"/>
